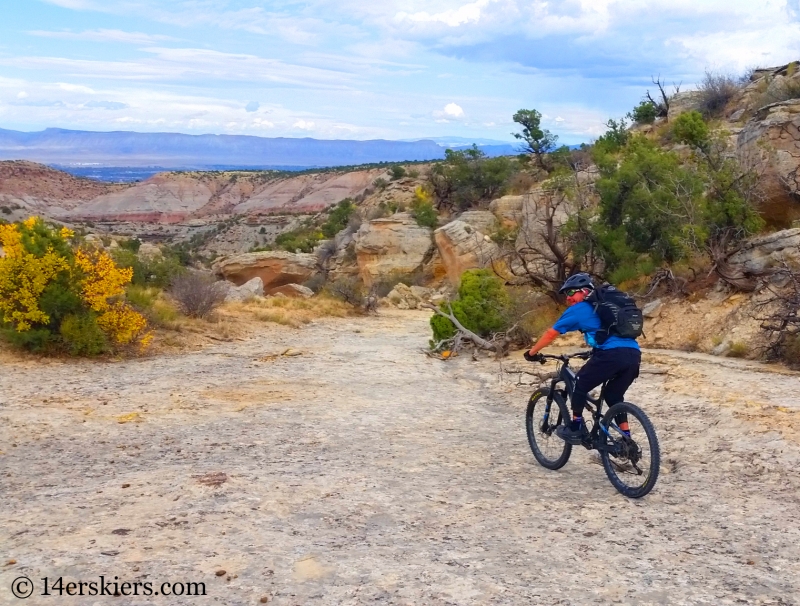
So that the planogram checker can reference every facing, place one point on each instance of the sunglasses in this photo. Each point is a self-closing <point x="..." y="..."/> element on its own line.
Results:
<point x="572" y="291"/>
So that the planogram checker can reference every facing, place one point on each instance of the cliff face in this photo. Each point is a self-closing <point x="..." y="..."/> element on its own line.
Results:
<point x="27" y="188"/>
<point x="175" y="197"/>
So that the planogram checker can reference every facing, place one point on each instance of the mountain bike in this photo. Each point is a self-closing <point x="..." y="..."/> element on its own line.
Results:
<point x="631" y="462"/>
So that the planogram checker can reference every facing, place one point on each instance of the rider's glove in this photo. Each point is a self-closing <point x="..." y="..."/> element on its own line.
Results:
<point x="534" y="358"/>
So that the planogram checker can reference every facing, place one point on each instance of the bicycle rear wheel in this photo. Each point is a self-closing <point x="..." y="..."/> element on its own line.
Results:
<point x="631" y="463"/>
<point x="541" y="420"/>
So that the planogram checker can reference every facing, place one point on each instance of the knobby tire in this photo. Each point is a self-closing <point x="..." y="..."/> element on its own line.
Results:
<point x="537" y="438"/>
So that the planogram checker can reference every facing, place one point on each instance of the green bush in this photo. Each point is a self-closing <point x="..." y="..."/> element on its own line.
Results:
<point x="644" y="113"/>
<point x="467" y="177"/>
<point x="338" y="218"/>
<point x="36" y="340"/>
<point x="481" y="306"/>
<point x="398" y="172"/>
<point x="158" y="271"/>
<point x="82" y="336"/>
<point x="132" y="245"/>
<point x="690" y="128"/>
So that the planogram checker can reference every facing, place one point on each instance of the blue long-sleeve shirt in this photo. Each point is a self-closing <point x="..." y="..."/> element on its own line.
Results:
<point x="583" y="317"/>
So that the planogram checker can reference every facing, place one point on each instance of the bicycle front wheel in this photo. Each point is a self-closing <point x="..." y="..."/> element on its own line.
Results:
<point x="544" y="414"/>
<point x="631" y="462"/>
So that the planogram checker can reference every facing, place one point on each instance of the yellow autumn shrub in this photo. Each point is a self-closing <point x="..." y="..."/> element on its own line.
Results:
<point x="53" y="293"/>
<point x="23" y="278"/>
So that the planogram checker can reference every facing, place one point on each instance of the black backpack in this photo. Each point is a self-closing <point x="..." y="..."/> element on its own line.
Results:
<point x="618" y="312"/>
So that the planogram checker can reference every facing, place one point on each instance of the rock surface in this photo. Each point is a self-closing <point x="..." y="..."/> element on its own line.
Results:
<point x="508" y="209"/>
<point x="275" y="268"/>
<point x="395" y="245"/>
<point x="483" y="220"/>
<point x="463" y="247"/>
<point x="362" y="472"/>
<point x="297" y="291"/>
<point x="249" y="290"/>
<point x="770" y="251"/>
<point x="681" y="103"/>
<point x="774" y="134"/>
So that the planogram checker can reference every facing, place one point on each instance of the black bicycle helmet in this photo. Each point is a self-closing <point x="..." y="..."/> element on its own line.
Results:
<point x="578" y="281"/>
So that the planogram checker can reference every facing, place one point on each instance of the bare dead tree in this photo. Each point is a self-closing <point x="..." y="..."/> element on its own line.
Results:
<point x="782" y="322"/>
<point x="544" y="253"/>
<point x="664" y="276"/>
<point x="662" y="106"/>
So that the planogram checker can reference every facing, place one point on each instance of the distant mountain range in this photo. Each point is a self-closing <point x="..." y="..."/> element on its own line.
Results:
<point x="175" y="150"/>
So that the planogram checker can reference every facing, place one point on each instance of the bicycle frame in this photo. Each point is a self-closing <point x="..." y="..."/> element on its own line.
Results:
<point x="567" y="376"/>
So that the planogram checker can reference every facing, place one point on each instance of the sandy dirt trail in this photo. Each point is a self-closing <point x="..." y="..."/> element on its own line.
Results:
<point x="362" y="472"/>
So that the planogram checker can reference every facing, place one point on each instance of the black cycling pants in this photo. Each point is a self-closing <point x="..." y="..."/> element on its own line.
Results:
<point x="618" y="366"/>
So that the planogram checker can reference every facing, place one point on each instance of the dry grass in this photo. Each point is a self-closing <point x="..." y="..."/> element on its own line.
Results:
<point x="288" y="311"/>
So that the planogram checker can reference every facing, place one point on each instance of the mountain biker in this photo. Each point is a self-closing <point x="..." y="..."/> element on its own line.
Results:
<point x="616" y="360"/>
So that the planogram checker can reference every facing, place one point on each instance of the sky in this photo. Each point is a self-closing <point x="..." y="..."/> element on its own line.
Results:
<point x="368" y="69"/>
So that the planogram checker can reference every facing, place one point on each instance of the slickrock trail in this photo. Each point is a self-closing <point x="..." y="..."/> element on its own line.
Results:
<point x="360" y="471"/>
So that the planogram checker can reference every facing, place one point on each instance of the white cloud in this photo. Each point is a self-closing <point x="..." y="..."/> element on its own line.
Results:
<point x="174" y="64"/>
<point x="22" y="94"/>
<point x="103" y="35"/>
<point x="466" y="13"/>
<point x="453" y="110"/>
<point x="303" y="125"/>
<point x="75" y="88"/>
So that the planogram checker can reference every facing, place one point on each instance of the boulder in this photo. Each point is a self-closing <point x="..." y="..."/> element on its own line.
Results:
<point x="296" y="291"/>
<point x="769" y="251"/>
<point x="410" y="297"/>
<point x="773" y="134"/>
<point x="681" y="103"/>
<point x="463" y="247"/>
<point x="482" y="220"/>
<point x="508" y="209"/>
<point x="276" y="268"/>
<point x="391" y="246"/>
<point x="652" y="309"/>
<point x="249" y="290"/>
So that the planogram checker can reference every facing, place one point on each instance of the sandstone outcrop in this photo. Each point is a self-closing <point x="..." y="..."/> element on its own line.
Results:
<point x="395" y="245"/>
<point x="297" y="291"/>
<point x="483" y="220"/>
<point x="411" y="297"/>
<point x="774" y="135"/>
<point x="276" y="268"/>
<point x="770" y="250"/>
<point x="463" y="247"/>
<point x="680" y="103"/>
<point x="508" y="209"/>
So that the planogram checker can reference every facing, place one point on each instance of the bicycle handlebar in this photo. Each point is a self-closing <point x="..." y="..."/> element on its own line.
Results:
<point x="583" y="355"/>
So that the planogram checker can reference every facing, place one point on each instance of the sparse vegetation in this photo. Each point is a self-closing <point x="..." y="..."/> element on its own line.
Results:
<point x="197" y="294"/>
<point x="467" y="177"/>
<point x="716" y="91"/>
<point x="422" y="209"/>
<point x="738" y="349"/>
